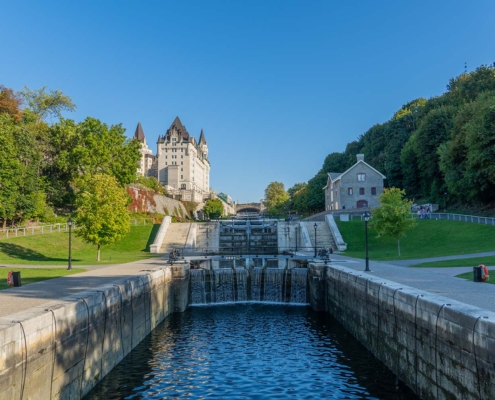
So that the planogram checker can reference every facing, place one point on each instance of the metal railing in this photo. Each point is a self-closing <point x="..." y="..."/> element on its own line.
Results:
<point x="446" y="216"/>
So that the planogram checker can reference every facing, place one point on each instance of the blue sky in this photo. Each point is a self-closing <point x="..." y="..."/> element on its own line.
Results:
<point x="276" y="85"/>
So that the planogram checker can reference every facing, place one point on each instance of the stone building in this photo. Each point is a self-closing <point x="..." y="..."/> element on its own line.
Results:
<point x="358" y="187"/>
<point x="181" y="163"/>
<point x="145" y="165"/>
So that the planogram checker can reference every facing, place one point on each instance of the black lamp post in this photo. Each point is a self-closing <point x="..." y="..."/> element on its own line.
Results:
<point x="367" y="217"/>
<point x="315" y="226"/>
<point x="69" y="224"/>
<point x="296" y="238"/>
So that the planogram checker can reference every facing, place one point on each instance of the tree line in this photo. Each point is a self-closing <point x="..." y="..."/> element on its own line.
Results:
<point x="438" y="150"/>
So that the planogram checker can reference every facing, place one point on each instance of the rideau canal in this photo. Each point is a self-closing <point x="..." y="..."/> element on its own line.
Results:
<point x="250" y="350"/>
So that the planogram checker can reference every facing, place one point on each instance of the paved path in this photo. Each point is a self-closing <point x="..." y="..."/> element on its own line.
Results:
<point x="19" y="299"/>
<point x="407" y="263"/>
<point x="439" y="281"/>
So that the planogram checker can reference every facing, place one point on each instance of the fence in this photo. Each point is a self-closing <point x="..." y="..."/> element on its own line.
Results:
<point x="447" y="216"/>
<point x="61" y="227"/>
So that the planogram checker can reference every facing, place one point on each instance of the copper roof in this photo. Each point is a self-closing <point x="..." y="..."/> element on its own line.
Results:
<point x="139" y="134"/>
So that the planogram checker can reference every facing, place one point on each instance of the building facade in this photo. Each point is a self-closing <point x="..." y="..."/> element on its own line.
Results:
<point x="181" y="163"/>
<point x="145" y="164"/>
<point x="358" y="187"/>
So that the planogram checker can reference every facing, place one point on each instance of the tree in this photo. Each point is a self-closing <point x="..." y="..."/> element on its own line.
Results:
<point x="10" y="103"/>
<point x="393" y="217"/>
<point x="81" y="150"/>
<point x="9" y="167"/>
<point x="213" y="208"/>
<point x="102" y="217"/>
<point x="44" y="103"/>
<point x="276" y="198"/>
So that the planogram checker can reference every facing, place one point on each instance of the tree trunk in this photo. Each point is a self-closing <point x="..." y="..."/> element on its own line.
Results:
<point x="4" y="223"/>
<point x="98" y="253"/>
<point x="398" y="245"/>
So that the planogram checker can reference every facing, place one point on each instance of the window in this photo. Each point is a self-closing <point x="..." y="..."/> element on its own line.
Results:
<point x="182" y="177"/>
<point x="373" y="191"/>
<point x="349" y="191"/>
<point x="182" y="163"/>
<point x="361" y="177"/>
<point x="166" y="163"/>
<point x="361" y="191"/>
<point x="182" y="169"/>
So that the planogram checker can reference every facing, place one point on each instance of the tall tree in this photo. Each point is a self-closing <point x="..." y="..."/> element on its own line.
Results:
<point x="213" y="208"/>
<point x="102" y="217"/>
<point x="46" y="103"/>
<point x="276" y="198"/>
<point x="393" y="216"/>
<point x="10" y="103"/>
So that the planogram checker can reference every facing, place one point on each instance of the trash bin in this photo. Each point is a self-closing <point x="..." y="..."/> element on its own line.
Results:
<point x="477" y="274"/>
<point x="17" y="278"/>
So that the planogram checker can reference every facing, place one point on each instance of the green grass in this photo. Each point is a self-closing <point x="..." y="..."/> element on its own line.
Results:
<point x="430" y="238"/>
<point x="469" y="276"/>
<point x="31" y="275"/>
<point x="461" y="262"/>
<point x="52" y="248"/>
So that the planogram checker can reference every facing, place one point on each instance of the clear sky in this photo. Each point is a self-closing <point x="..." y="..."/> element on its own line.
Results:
<point x="276" y="85"/>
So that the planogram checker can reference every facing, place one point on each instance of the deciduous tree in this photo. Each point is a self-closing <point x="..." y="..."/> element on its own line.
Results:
<point x="101" y="216"/>
<point x="276" y="198"/>
<point x="213" y="208"/>
<point x="393" y="216"/>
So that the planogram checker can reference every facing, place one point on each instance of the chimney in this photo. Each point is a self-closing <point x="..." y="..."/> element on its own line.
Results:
<point x="360" y="157"/>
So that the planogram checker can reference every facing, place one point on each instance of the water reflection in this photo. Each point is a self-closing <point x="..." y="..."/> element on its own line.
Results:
<point x="250" y="351"/>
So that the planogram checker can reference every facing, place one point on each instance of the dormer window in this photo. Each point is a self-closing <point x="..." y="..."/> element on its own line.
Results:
<point x="361" y="177"/>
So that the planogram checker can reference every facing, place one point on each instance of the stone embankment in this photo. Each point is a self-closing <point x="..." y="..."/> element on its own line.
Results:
<point x="441" y="348"/>
<point x="62" y="349"/>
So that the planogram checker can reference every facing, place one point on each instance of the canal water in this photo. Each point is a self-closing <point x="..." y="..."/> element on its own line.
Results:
<point x="250" y="351"/>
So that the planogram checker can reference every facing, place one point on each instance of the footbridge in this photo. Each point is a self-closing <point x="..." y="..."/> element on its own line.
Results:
<point x="250" y="208"/>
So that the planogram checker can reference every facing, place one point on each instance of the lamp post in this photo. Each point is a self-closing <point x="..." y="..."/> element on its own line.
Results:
<point x="367" y="217"/>
<point x="296" y="238"/>
<point x="315" y="226"/>
<point x="69" y="224"/>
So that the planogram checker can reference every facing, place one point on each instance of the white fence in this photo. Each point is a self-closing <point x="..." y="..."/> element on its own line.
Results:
<point x="42" y="229"/>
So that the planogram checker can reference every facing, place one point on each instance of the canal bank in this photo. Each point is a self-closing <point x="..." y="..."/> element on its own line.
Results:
<point x="441" y="348"/>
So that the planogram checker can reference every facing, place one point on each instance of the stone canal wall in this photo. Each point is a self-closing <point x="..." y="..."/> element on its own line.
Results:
<point x="63" y="350"/>
<point x="441" y="348"/>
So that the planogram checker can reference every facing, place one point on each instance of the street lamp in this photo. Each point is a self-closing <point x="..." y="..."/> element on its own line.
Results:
<point x="296" y="238"/>
<point x="315" y="226"/>
<point x="69" y="224"/>
<point x="367" y="217"/>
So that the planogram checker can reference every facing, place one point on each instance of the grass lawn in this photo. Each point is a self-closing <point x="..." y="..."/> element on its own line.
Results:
<point x="461" y="262"/>
<point x="430" y="238"/>
<point x="469" y="276"/>
<point x="52" y="248"/>
<point x="31" y="275"/>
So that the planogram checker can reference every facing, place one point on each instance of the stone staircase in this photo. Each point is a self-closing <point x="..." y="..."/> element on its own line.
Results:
<point x="175" y="237"/>
<point x="324" y="236"/>
<point x="207" y="237"/>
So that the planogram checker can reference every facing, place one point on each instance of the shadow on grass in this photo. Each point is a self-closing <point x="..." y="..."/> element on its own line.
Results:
<point x="152" y="236"/>
<point x="19" y="252"/>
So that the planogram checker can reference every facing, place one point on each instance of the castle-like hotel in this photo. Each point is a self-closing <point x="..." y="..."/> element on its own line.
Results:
<point x="181" y="163"/>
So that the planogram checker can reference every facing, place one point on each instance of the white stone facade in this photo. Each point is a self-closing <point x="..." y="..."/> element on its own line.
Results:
<point x="181" y="163"/>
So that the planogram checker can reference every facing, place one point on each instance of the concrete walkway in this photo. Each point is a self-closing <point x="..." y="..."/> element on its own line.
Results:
<point x="439" y="281"/>
<point x="407" y="263"/>
<point x="18" y="299"/>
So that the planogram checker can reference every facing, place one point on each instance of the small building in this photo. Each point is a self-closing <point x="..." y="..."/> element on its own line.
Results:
<point x="358" y="187"/>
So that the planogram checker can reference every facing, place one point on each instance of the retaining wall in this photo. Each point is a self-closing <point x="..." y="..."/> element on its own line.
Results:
<point x="441" y="348"/>
<point x="63" y="349"/>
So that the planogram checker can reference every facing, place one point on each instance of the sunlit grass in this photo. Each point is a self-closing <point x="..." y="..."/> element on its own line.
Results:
<point x="430" y="238"/>
<point x="53" y="248"/>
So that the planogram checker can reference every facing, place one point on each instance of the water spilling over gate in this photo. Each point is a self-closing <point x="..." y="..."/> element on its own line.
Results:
<point x="228" y="285"/>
